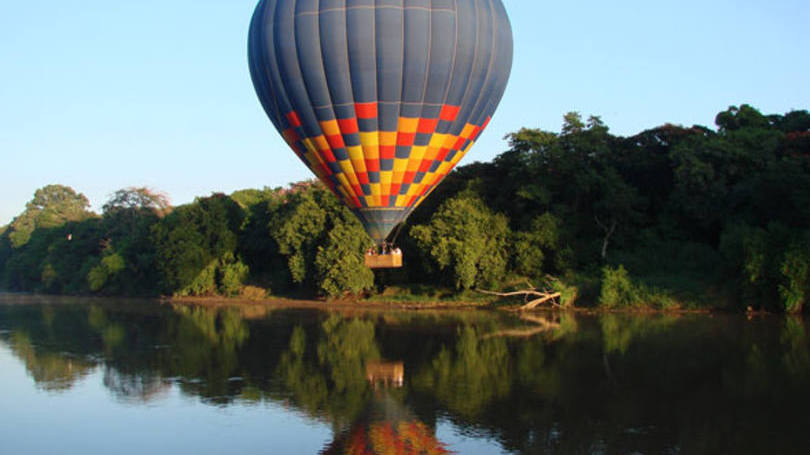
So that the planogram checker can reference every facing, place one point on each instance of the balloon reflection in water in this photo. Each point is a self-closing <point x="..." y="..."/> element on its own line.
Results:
<point x="387" y="427"/>
<point x="402" y="438"/>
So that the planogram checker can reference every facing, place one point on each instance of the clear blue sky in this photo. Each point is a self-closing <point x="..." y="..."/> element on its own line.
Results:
<point x="102" y="95"/>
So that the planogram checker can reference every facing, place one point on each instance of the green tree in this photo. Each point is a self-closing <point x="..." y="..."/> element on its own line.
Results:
<point x="128" y="217"/>
<point x="465" y="240"/>
<point x="523" y="187"/>
<point x="618" y="291"/>
<point x="52" y="206"/>
<point x="195" y="242"/>
<point x="45" y="246"/>
<point x="616" y="206"/>
<point x="322" y="241"/>
<point x="736" y="118"/>
<point x="5" y="255"/>
<point x="795" y="268"/>
<point x="232" y="275"/>
<point x="716" y="175"/>
<point x="298" y="228"/>
<point x="256" y="246"/>
<point x="540" y="251"/>
<point x="340" y="265"/>
<point x="134" y="200"/>
<point x="109" y="267"/>
<point x="770" y="265"/>
<point x="55" y="260"/>
<point x="572" y="123"/>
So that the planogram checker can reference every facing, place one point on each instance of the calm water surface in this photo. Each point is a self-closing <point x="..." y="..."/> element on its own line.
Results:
<point x="101" y="377"/>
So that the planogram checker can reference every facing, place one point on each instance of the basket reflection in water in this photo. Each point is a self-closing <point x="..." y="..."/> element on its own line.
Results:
<point x="388" y="374"/>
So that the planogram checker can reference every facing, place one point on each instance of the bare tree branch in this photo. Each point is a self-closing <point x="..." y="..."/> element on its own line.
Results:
<point x="608" y="234"/>
<point x="544" y="296"/>
<point x="541" y="325"/>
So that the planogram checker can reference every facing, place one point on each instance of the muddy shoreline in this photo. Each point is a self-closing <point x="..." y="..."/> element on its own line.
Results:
<point x="354" y="304"/>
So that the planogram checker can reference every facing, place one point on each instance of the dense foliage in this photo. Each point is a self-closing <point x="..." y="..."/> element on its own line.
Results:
<point x="673" y="216"/>
<point x="283" y="239"/>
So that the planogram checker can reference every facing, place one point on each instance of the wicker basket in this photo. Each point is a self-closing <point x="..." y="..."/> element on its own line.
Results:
<point x="384" y="261"/>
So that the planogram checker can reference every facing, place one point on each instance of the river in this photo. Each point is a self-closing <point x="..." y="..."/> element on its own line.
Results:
<point x="95" y="376"/>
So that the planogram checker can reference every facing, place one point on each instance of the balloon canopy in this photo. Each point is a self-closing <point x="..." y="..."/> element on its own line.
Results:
<point x="380" y="98"/>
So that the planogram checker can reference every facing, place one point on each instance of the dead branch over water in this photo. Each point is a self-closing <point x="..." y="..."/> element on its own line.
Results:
<point x="541" y="296"/>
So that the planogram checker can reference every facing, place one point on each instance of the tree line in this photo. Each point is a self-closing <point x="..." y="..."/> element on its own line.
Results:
<point x="672" y="217"/>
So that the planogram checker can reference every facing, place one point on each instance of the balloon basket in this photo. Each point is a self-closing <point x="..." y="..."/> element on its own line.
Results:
<point x="384" y="261"/>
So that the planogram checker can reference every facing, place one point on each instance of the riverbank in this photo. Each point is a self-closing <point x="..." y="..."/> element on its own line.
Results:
<point x="259" y="307"/>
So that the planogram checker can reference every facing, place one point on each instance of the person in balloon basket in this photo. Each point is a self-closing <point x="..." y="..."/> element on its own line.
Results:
<point x="386" y="250"/>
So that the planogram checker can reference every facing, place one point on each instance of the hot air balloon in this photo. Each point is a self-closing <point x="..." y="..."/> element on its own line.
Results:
<point x="380" y="98"/>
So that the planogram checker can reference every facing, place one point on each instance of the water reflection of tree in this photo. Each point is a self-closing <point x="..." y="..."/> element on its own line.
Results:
<point x="199" y="348"/>
<point x="620" y="330"/>
<point x="51" y="371"/>
<point x="112" y="334"/>
<point x="138" y="388"/>
<point x="613" y="384"/>
<point x="43" y="338"/>
<point x="469" y="375"/>
<point x="796" y="342"/>
<point x="328" y="377"/>
<point x="679" y="384"/>
<point x="203" y="353"/>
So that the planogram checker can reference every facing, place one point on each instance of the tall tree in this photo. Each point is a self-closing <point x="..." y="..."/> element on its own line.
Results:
<point x="52" y="206"/>
<point x="195" y="243"/>
<point x="466" y="241"/>
<point x="127" y="265"/>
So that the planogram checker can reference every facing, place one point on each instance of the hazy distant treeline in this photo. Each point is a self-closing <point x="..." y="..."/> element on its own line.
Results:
<point x="670" y="217"/>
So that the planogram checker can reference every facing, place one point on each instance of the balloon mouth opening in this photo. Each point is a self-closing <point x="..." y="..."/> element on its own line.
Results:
<point x="379" y="223"/>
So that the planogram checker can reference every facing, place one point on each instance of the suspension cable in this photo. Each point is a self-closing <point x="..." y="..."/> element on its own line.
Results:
<point x="397" y="231"/>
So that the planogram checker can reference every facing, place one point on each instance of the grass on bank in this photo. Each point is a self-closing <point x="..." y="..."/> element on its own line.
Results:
<point x="611" y="288"/>
<point x="421" y="293"/>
